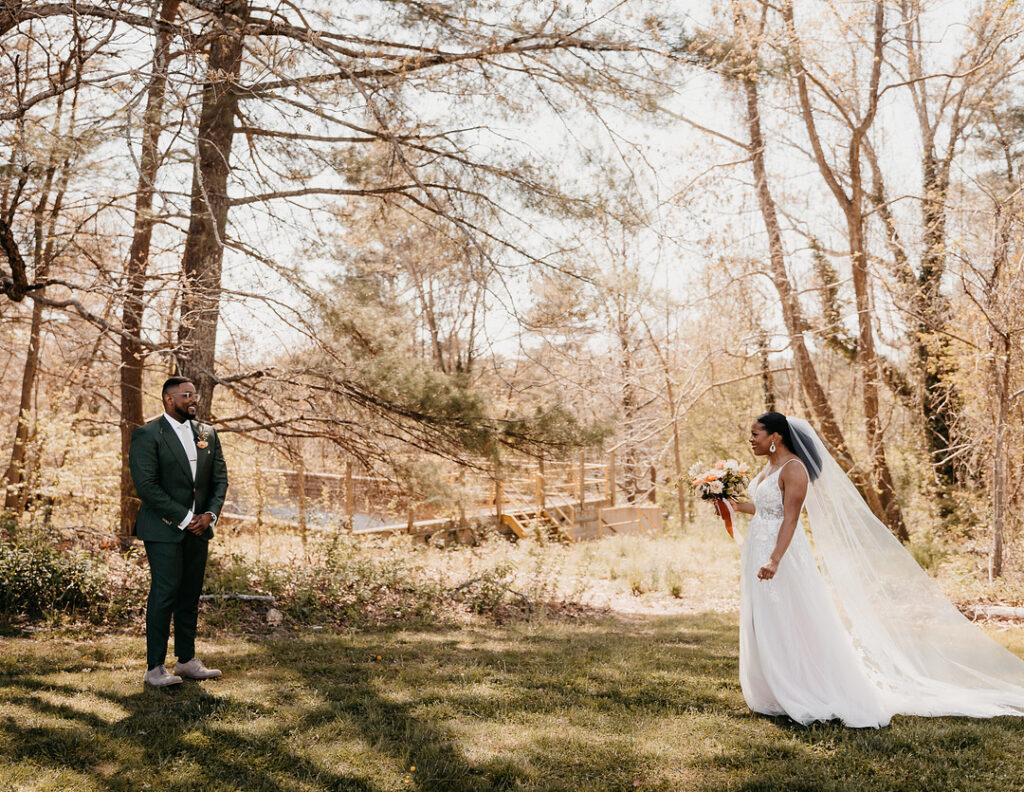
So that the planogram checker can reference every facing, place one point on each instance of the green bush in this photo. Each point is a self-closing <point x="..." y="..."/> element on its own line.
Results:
<point x="928" y="553"/>
<point x="487" y="592"/>
<point x="338" y="583"/>
<point x="37" y="580"/>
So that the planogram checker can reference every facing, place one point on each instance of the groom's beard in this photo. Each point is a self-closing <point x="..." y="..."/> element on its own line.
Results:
<point x="188" y="414"/>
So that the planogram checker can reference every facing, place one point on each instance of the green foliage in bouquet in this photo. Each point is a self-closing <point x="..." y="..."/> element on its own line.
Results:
<point x="724" y="479"/>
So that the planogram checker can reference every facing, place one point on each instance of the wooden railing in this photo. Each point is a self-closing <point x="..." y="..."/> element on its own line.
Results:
<point x="568" y="500"/>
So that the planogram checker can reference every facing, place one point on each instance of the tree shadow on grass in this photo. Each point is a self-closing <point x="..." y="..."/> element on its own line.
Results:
<point x="532" y="707"/>
<point x="169" y="739"/>
<point x="422" y="703"/>
<point x="909" y="755"/>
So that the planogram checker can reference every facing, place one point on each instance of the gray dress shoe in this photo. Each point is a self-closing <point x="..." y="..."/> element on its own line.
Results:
<point x="194" y="669"/>
<point x="159" y="677"/>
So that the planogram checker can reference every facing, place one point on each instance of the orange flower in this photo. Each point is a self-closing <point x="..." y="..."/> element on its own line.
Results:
<point x="711" y="477"/>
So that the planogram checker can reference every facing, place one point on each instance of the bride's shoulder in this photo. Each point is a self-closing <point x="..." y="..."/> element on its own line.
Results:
<point x="794" y="473"/>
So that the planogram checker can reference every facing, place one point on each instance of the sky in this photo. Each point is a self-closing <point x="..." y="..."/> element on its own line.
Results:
<point x="694" y="187"/>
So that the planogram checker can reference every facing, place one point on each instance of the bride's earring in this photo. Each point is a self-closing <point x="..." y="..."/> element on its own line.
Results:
<point x="771" y="448"/>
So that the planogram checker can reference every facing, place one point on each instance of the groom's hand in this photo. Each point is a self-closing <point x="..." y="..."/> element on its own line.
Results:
<point x="199" y="524"/>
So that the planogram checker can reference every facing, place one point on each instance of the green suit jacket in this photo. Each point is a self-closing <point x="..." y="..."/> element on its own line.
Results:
<point x="163" y="479"/>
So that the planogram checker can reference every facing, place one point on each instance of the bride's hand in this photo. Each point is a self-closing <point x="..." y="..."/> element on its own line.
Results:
<point x="741" y="507"/>
<point x="767" y="572"/>
<point x="718" y="505"/>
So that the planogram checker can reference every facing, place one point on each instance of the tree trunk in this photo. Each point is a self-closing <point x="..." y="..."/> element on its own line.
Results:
<point x="1001" y="382"/>
<point x="41" y="252"/>
<point x="203" y="257"/>
<point x="15" y="474"/>
<point x="632" y="472"/>
<point x="938" y="396"/>
<point x="132" y="353"/>
<point x="879" y="492"/>
<point x="767" y="380"/>
<point x="938" y="400"/>
<point x="791" y="313"/>
<point x="427" y="305"/>
<point x="1001" y="356"/>
<point x="868" y="362"/>
<point x="677" y="456"/>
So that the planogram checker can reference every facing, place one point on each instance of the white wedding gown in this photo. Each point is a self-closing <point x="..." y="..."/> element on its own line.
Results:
<point x="855" y="629"/>
<point x="796" y="658"/>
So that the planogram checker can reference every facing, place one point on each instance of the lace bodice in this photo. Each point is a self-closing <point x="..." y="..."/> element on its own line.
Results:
<point x="767" y="496"/>
<point x="763" y="532"/>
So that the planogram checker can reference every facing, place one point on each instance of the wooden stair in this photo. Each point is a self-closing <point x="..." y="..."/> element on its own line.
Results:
<point x="540" y="524"/>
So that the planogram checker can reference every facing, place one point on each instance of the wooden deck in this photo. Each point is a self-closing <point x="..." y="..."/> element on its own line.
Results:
<point x="564" y="501"/>
<point x="595" y="520"/>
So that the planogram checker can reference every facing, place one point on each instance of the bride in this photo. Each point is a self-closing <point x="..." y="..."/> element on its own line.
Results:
<point x="863" y="634"/>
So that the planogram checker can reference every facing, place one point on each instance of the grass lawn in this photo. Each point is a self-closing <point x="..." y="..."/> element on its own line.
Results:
<point x="650" y="703"/>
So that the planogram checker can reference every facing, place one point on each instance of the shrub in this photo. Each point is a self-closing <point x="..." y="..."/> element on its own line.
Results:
<point x="487" y="592"/>
<point x="37" y="580"/>
<point x="928" y="553"/>
<point x="337" y="583"/>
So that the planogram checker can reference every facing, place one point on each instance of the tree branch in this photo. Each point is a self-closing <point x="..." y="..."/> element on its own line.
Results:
<point x="412" y="65"/>
<point x="806" y="112"/>
<point x="17" y="286"/>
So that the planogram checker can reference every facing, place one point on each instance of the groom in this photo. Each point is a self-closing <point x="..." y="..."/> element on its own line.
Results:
<point x="180" y="476"/>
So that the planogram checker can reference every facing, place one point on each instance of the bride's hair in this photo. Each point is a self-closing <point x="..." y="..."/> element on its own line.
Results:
<point x="774" y="422"/>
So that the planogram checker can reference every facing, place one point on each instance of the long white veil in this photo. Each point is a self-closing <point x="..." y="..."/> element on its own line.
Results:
<point x="924" y="655"/>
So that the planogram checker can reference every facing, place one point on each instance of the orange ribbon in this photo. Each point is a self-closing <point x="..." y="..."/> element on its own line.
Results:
<point x="726" y="512"/>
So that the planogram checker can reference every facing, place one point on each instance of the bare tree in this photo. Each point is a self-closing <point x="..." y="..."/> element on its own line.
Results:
<point x="203" y="258"/>
<point x="45" y="213"/>
<point x="947" y="106"/>
<point x="851" y="199"/>
<point x="992" y="283"/>
<point x="737" y="57"/>
<point x="132" y="351"/>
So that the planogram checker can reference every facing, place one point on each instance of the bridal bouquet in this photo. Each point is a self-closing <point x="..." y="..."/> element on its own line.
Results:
<point x="719" y="482"/>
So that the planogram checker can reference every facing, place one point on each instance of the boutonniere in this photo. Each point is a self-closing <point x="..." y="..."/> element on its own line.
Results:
<point x="202" y="436"/>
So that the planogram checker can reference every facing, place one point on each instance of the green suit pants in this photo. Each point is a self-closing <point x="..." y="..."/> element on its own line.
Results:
<point x="176" y="581"/>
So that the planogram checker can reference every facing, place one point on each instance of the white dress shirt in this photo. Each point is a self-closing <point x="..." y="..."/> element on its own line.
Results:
<point x="188" y="442"/>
